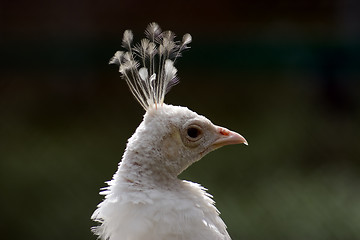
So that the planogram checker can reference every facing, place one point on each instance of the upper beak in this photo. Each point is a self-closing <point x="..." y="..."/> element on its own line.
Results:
<point x="227" y="137"/>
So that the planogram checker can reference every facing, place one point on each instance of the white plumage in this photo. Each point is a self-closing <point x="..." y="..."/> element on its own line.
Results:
<point x="145" y="200"/>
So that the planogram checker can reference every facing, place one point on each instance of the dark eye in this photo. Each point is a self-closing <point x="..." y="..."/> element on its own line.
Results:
<point x="193" y="132"/>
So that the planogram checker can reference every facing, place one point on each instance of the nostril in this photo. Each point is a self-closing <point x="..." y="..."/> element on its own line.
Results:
<point x="224" y="132"/>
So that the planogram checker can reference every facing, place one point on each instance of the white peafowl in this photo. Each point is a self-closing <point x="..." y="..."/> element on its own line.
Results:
<point x="145" y="200"/>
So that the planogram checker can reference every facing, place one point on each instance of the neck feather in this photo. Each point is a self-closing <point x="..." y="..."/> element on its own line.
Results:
<point x="143" y="169"/>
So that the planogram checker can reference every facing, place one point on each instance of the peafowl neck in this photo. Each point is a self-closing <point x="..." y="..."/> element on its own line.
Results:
<point x="142" y="169"/>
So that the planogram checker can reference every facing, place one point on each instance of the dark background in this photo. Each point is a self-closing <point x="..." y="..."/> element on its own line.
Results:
<point x="285" y="74"/>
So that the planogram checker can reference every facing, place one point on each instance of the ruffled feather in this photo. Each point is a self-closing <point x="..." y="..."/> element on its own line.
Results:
<point x="154" y="56"/>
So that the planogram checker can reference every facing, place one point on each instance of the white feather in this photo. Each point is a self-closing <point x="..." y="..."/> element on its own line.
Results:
<point x="186" y="39"/>
<point x="145" y="200"/>
<point x="143" y="72"/>
<point x="153" y="32"/>
<point x="127" y="39"/>
<point x="117" y="58"/>
<point x="149" y="92"/>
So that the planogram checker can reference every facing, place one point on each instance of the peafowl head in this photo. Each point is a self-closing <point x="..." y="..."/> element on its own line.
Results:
<point x="170" y="138"/>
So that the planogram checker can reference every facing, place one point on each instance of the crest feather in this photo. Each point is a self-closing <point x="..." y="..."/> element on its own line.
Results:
<point x="148" y="67"/>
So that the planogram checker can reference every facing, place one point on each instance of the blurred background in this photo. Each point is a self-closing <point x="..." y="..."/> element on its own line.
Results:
<point x="285" y="74"/>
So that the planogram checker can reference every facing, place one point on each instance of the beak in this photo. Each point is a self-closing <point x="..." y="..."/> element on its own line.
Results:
<point x="227" y="137"/>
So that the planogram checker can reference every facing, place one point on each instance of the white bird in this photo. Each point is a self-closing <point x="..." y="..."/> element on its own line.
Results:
<point x="145" y="200"/>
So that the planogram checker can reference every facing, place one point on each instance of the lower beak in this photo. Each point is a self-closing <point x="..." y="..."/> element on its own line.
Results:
<point x="227" y="137"/>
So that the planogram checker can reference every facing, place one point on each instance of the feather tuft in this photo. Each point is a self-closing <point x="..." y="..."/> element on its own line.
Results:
<point x="143" y="72"/>
<point x="153" y="32"/>
<point x="170" y="71"/>
<point x="127" y="39"/>
<point x="151" y="50"/>
<point x="117" y="58"/>
<point x="154" y="56"/>
<point x="170" y="76"/>
<point x="186" y="39"/>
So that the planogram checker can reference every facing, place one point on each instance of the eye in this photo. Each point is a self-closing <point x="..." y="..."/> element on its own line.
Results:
<point x="193" y="132"/>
